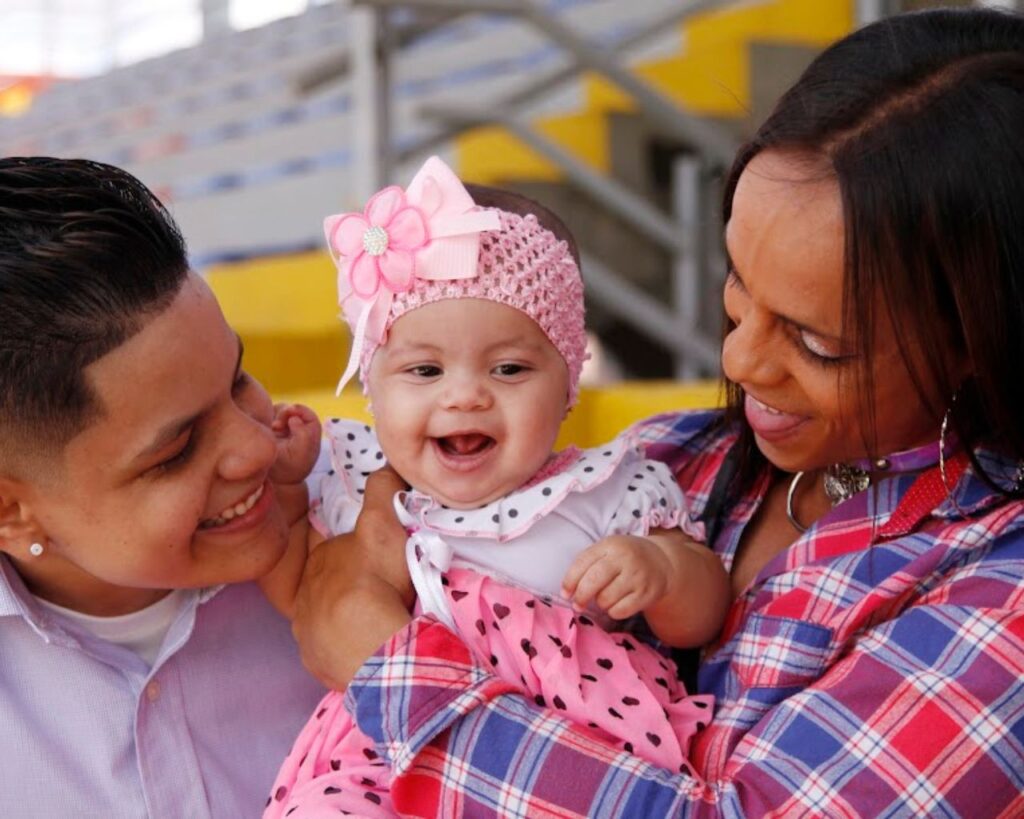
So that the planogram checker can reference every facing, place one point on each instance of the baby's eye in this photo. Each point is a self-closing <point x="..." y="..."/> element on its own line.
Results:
<point x="425" y="371"/>
<point x="508" y="369"/>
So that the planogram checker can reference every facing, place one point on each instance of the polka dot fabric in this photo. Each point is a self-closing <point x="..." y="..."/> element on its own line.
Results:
<point x="618" y="686"/>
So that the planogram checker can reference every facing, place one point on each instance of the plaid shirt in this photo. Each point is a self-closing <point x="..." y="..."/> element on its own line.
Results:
<point x="849" y="681"/>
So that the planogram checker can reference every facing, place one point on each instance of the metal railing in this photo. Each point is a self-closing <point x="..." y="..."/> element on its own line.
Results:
<point x="686" y="233"/>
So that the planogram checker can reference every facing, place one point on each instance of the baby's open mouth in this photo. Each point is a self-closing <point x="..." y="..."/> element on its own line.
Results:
<point x="234" y="511"/>
<point x="465" y="444"/>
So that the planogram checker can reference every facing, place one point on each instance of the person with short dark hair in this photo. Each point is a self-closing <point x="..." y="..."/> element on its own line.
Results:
<point x="864" y="486"/>
<point x="142" y="673"/>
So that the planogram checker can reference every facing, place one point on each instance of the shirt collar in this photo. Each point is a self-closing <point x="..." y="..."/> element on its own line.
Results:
<point x="17" y="601"/>
<point x="973" y="494"/>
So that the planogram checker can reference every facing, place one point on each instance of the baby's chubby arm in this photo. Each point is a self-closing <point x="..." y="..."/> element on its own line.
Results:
<point x="298" y="431"/>
<point x="680" y="586"/>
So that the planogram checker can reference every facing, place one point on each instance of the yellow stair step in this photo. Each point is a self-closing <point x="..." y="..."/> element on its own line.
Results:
<point x="710" y="76"/>
<point x="486" y="155"/>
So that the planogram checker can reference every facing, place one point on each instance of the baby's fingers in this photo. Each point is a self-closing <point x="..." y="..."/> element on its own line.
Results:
<point x="626" y="606"/>
<point x="584" y="560"/>
<point x="598" y="577"/>
<point x="283" y="415"/>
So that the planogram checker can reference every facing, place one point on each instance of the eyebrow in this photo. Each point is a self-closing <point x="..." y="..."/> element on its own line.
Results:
<point x="412" y="348"/>
<point x="174" y="429"/>
<point x="791" y="321"/>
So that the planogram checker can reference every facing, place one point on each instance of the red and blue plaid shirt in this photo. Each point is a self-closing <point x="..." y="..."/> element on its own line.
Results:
<point x="862" y="673"/>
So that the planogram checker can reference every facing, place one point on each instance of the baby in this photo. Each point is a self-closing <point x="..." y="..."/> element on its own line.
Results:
<point x="467" y="321"/>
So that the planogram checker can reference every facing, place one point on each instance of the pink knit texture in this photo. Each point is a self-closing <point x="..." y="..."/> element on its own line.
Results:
<point x="523" y="266"/>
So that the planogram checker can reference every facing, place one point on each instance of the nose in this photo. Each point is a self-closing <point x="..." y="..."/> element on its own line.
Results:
<point x="751" y="354"/>
<point x="248" y="450"/>
<point x="466" y="393"/>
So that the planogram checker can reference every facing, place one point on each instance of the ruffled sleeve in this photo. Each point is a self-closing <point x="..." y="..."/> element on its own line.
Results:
<point x="651" y="500"/>
<point x="354" y="455"/>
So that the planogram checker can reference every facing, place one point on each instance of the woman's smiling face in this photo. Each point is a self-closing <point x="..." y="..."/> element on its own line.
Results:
<point x="784" y="296"/>
<point x="168" y="487"/>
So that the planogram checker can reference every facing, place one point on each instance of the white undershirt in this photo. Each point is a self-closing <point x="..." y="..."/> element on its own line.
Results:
<point x="141" y="631"/>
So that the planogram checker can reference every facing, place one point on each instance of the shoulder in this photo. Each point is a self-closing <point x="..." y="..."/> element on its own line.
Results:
<point x="336" y="493"/>
<point x="681" y="432"/>
<point x="983" y="556"/>
<point x="696" y="441"/>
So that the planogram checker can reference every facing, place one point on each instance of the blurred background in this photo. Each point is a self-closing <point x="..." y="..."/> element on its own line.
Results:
<point x="253" y="119"/>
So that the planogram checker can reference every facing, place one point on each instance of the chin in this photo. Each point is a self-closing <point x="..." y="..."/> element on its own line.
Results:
<point x="787" y="460"/>
<point x="464" y="500"/>
<point x="253" y="560"/>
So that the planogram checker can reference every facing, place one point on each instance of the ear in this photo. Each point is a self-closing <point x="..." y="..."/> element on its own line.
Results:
<point x="18" y="526"/>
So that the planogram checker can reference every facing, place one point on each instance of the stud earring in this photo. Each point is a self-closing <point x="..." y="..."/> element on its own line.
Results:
<point x="35" y="549"/>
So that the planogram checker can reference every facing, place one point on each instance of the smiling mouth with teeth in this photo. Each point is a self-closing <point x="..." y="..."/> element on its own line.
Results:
<point x="233" y="512"/>
<point x="766" y="408"/>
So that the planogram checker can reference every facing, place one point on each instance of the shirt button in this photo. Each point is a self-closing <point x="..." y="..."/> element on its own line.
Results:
<point x="153" y="691"/>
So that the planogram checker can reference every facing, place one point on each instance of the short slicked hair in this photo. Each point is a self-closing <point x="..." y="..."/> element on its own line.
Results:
<point x="87" y="254"/>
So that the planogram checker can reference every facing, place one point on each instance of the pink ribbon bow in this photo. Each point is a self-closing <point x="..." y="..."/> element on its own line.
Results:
<point x="431" y="230"/>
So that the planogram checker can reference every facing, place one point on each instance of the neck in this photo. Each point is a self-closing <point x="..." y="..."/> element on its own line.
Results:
<point x="70" y="587"/>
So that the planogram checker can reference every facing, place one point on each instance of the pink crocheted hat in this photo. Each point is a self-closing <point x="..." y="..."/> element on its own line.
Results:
<point x="432" y="242"/>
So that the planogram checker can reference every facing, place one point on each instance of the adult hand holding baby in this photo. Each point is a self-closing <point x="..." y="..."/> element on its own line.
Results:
<point x="355" y="591"/>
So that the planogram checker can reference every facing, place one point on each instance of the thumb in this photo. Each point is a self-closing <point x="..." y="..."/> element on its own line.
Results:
<point x="381" y="487"/>
<point x="380" y="530"/>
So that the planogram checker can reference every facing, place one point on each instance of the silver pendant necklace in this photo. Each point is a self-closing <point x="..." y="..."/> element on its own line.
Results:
<point x="841" y="482"/>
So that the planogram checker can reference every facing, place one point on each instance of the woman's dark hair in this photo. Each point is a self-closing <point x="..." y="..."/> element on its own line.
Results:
<point x="87" y="253"/>
<point x="919" y="118"/>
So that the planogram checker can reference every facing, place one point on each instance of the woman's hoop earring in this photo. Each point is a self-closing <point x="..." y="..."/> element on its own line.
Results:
<point x="35" y="549"/>
<point x="943" y="431"/>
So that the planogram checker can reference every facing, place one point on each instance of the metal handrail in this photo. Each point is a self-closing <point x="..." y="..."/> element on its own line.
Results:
<point x="673" y="324"/>
<point x="555" y="80"/>
<point x="652" y="105"/>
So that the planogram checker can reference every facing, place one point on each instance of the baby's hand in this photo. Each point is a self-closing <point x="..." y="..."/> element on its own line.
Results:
<point x="298" y="442"/>
<point x="623" y="574"/>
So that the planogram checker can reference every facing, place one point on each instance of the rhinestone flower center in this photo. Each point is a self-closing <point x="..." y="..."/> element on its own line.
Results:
<point x="375" y="241"/>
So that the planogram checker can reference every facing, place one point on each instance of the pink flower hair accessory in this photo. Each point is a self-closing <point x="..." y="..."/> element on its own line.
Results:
<point x="430" y="231"/>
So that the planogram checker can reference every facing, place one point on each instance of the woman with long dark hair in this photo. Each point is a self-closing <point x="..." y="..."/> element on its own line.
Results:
<point x="863" y="487"/>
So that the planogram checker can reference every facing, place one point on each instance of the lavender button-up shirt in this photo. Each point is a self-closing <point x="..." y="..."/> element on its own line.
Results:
<point x="87" y="729"/>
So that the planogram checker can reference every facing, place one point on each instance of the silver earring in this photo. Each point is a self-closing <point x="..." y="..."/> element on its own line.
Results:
<point x="35" y="549"/>
<point x="943" y="431"/>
